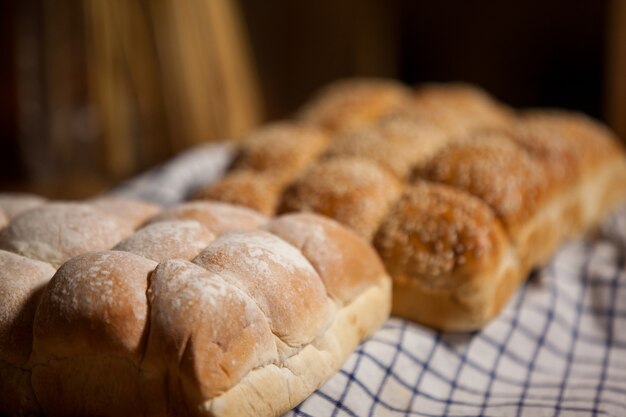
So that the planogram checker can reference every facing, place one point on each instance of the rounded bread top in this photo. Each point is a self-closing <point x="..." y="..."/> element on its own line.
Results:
<point x="345" y="261"/>
<point x="13" y="204"/>
<point x="177" y="239"/>
<point x="259" y="191"/>
<point x="278" y="277"/>
<point x="437" y="235"/>
<point x="22" y="281"/>
<point x="56" y="232"/>
<point x="283" y="148"/>
<point x="494" y="168"/>
<point x="352" y="104"/>
<point x="133" y="213"/>
<point x="397" y="143"/>
<point x="354" y="191"/>
<point x="216" y="216"/>
<point x="460" y="108"/>
<point x="208" y="332"/>
<point x="95" y="303"/>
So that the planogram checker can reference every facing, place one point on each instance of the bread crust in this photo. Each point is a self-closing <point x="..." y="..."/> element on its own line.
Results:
<point x="354" y="103"/>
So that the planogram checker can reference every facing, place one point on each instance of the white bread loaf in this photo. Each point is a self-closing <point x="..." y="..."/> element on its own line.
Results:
<point x="176" y="322"/>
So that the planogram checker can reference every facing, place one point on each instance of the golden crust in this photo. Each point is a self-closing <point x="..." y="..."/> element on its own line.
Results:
<point x="277" y="276"/>
<point x="576" y="141"/>
<point x="282" y="149"/>
<point x="459" y="108"/>
<point x="355" y="103"/>
<point x="396" y="143"/>
<point x="492" y="167"/>
<point x="89" y="336"/>
<point x="353" y="191"/>
<point x="439" y="236"/>
<point x="255" y="190"/>
<point x="346" y="263"/>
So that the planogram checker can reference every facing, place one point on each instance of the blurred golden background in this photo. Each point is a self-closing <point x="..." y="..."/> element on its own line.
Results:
<point x="96" y="91"/>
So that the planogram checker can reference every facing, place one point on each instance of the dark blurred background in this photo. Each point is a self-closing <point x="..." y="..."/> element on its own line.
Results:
<point x="95" y="91"/>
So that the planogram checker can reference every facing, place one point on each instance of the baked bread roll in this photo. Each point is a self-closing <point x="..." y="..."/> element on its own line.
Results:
<point x="354" y="103"/>
<point x="133" y="213"/>
<point x="354" y="191"/>
<point x="217" y="217"/>
<point x="250" y="326"/>
<point x="160" y="241"/>
<point x="266" y="162"/>
<point x="12" y="204"/>
<point x="459" y="108"/>
<point x="3" y="220"/>
<point x="398" y="143"/>
<point x="55" y="232"/>
<point x="281" y="149"/>
<point x="452" y="263"/>
<point x="256" y="190"/>
<point x="22" y="281"/>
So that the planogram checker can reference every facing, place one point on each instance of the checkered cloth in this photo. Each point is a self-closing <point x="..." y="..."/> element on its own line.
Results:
<point x="558" y="349"/>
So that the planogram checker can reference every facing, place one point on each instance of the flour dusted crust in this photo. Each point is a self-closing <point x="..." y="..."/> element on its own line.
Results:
<point x="12" y="204"/>
<point x="22" y="282"/>
<point x="160" y="241"/>
<point x="139" y="329"/>
<point x="55" y="232"/>
<point x="89" y="334"/>
<point x="217" y="217"/>
<point x="132" y="213"/>
<point x="275" y="274"/>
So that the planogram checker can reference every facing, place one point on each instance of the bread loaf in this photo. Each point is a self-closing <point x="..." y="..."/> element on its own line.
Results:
<point x="207" y="310"/>
<point x="461" y="195"/>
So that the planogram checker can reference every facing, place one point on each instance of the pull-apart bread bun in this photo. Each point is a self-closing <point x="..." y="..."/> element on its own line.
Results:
<point x="461" y="195"/>
<point x="355" y="103"/>
<point x="207" y="310"/>
<point x="12" y="204"/>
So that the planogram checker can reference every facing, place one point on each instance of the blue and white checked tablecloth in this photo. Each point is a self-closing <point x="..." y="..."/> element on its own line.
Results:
<point x="558" y="349"/>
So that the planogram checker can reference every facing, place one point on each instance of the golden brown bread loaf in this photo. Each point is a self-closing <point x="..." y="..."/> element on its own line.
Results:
<point x="355" y="191"/>
<point x="461" y="195"/>
<point x="198" y="313"/>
